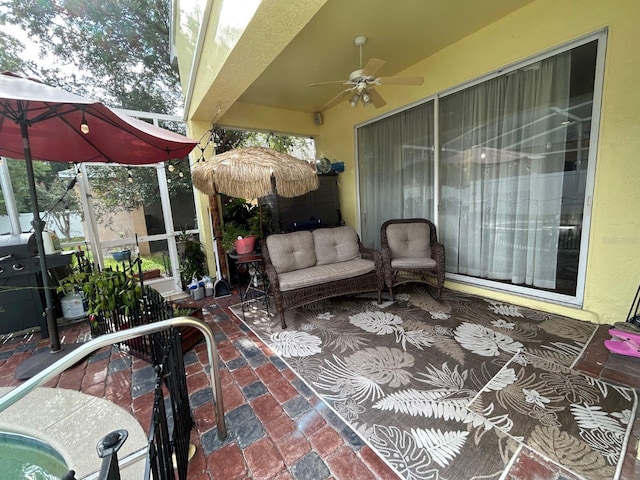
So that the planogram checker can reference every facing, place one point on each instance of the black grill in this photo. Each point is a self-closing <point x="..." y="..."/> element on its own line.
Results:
<point x="18" y="246"/>
<point x="22" y="301"/>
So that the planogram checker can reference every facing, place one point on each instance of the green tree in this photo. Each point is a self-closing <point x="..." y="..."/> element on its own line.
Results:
<point x="10" y="49"/>
<point x="119" y="50"/>
<point x="114" y="51"/>
<point x="54" y="196"/>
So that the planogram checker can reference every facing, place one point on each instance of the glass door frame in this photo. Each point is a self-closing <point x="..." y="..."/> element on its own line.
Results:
<point x="562" y="299"/>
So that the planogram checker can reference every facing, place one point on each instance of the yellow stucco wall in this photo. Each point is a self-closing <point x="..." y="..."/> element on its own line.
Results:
<point x="199" y="130"/>
<point x="611" y="278"/>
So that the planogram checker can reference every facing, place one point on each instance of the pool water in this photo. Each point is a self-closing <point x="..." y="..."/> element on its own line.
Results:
<point x="27" y="458"/>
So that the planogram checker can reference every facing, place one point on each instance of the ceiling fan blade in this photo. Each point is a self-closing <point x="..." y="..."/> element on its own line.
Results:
<point x="372" y="66"/>
<point x="398" y="81"/>
<point x="337" y="99"/>
<point x="376" y="99"/>
<point x="333" y="82"/>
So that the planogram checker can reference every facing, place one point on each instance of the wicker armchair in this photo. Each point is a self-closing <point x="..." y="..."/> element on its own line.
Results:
<point x="411" y="253"/>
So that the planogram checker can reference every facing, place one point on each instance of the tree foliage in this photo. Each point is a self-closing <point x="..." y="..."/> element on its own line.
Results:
<point x="113" y="51"/>
<point x="53" y="192"/>
<point x="10" y="54"/>
<point x="118" y="51"/>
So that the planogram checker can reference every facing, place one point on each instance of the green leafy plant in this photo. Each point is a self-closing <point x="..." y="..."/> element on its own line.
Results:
<point x="192" y="260"/>
<point x="105" y="290"/>
<point x="242" y="219"/>
<point x="183" y="311"/>
<point x="231" y="233"/>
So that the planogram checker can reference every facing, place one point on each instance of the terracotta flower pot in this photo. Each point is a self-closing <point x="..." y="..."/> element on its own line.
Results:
<point x="245" y="245"/>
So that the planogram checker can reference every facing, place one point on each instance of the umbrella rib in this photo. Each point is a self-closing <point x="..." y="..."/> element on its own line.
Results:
<point x="20" y="115"/>
<point x="84" y="137"/>
<point x="51" y="112"/>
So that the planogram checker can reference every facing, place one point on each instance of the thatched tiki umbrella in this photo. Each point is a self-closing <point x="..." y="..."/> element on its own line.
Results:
<point x="254" y="172"/>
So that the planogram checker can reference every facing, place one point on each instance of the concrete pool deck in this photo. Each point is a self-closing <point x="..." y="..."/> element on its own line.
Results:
<point x="73" y="423"/>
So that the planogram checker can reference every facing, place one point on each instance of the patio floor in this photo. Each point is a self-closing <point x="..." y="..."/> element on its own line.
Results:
<point x="279" y="428"/>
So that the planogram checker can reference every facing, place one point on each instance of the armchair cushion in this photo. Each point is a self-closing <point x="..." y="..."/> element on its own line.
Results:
<point x="410" y="241"/>
<point x="413" y="262"/>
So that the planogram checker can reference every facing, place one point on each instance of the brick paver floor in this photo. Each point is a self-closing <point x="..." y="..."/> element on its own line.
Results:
<point x="278" y="428"/>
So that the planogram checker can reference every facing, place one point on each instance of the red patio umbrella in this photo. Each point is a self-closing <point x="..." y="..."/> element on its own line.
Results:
<point x="40" y="122"/>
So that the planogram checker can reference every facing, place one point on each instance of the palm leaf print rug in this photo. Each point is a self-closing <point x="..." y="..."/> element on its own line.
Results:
<point x="454" y="389"/>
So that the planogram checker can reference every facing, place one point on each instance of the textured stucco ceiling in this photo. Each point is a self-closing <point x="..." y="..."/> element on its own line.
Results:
<point x="401" y="32"/>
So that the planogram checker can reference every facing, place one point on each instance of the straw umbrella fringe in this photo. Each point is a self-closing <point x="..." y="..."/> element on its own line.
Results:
<point x="251" y="172"/>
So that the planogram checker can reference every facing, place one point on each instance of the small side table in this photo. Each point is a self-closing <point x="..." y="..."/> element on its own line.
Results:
<point x="257" y="285"/>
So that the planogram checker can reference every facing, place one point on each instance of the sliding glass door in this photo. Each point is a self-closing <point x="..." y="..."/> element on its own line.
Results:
<point x="513" y="164"/>
<point x="396" y="158"/>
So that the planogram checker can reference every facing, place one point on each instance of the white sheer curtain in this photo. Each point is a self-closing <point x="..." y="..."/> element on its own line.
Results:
<point x="395" y="165"/>
<point x="502" y="165"/>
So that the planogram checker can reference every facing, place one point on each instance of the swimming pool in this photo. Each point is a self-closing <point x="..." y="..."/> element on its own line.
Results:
<point x="73" y="423"/>
<point x="27" y="458"/>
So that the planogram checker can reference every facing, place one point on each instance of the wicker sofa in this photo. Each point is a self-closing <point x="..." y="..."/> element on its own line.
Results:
<point x="307" y="266"/>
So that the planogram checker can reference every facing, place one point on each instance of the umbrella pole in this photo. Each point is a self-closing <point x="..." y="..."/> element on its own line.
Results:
<point x="52" y="327"/>
<point x="221" y="255"/>
<point x="275" y="215"/>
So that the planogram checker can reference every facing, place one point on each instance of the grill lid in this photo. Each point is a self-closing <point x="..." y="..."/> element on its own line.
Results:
<point x="22" y="245"/>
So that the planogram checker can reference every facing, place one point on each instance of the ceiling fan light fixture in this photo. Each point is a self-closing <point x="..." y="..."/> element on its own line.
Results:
<point x="363" y="80"/>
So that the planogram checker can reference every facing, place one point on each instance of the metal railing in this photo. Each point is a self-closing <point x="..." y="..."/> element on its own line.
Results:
<point x="169" y="446"/>
<point x="74" y="356"/>
<point x="108" y="448"/>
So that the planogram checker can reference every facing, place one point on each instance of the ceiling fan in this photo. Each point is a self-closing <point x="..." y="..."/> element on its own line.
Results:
<point x="363" y="81"/>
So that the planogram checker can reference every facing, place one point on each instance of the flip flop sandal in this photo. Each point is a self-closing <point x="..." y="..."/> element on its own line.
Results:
<point x="631" y="337"/>
<point x="627" y="327"/>
<point x="622" y="348"/>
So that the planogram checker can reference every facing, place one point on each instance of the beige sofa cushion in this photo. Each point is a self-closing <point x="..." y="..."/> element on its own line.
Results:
<point x="335" y="245"/>
<point x="291" y="251"/>
<point x="409" y="240"/>
<point x="321" y="274"/>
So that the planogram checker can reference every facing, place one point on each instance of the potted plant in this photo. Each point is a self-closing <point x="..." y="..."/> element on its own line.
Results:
<point x="181" y="240"/>
<point x="105" y="291"/>
<point x="232" y="232"/>
<point x="241" y="221"/>
<point x="192" y="261"/>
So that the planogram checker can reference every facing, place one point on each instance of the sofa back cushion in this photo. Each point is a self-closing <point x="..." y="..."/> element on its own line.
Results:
<point x="335" y="245"/>
<point x="409" y="240"/>
<point x="291" y="251"/>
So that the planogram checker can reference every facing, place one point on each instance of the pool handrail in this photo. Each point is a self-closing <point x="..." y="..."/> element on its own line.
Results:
<point x="72" y="357"/>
